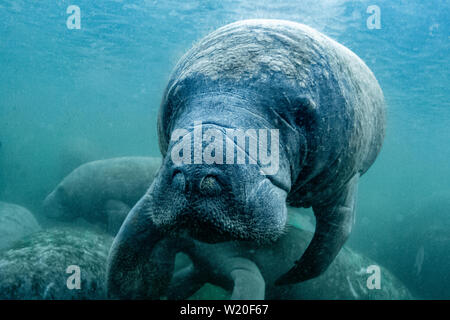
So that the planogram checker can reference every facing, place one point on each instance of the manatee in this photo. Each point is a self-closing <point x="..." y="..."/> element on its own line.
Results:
<point x="37" y="266"/>
<point x="16" y="222"/>
<point x="249" y="272"/>
<point x="244" y="86"/>
<point x="102" y="192"/>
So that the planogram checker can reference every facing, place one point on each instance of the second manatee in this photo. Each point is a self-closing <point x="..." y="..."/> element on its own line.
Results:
<point x="102" y="192"/>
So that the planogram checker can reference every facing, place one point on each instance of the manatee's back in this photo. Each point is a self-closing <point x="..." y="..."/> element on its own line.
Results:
<point x="347" y="114"/>
<point x="86" y="189"/>
<point x="15" y="223"/>
<point x="125" y="179"/>
<point x="343" y="122"/>
<point x="128" y="178"/>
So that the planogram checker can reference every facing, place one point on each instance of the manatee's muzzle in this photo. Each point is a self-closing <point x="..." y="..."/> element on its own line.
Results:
<point x="231" y="202"/>
<point x="53" y="206"/>
<point x="50" y="208"/>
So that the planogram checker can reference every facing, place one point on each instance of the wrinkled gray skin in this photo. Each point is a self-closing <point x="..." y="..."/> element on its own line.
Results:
<point x="16" y="222"/>
<point x="35" y="268"/>
<point x="259" y="74"/>
<point x="102" y="192"/>
<point x="249" y="272"/>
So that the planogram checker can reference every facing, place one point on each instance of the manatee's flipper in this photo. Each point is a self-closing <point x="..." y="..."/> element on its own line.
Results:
<point x="185" y="283"/>
<point x="333" y="226"/>
<point x="219" y="267"/>
<point x="116" y="212"/>
<point x="161" y="265"/>
<point x="248" y="282"/>
<point x="135" y="254"/>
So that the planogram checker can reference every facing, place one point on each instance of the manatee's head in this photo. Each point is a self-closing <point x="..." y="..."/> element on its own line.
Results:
<point x="56" y="204"/>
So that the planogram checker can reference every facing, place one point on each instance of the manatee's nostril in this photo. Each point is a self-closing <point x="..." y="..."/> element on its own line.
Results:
<point x="210" y="186"/>
<point x="178" y="181"/>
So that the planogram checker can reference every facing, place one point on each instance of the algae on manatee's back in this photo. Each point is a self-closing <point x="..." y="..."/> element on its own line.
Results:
<point x="36" y="267"/>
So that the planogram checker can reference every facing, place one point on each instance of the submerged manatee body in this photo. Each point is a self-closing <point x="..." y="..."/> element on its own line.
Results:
<point x="263" y="75"/>
<point x="36" y="267"/>
<point x="102" y="192"/>
<point x="16" y="222"/>
<point x="249" y="272"/>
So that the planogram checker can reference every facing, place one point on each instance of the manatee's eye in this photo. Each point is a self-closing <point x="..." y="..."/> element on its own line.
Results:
<point x="210" y="186"/>
<point x="178" y="181"/>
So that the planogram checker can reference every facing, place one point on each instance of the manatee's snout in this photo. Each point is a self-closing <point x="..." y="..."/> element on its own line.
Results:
<point x="230" y="201"/>
<point x="49" y="206"/>
<point x="208" y="183"/>
<point x="203" y="184"/>
<point x="53" y="205"/>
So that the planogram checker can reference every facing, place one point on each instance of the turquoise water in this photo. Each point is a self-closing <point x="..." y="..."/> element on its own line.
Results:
<point x="68" y="96"/>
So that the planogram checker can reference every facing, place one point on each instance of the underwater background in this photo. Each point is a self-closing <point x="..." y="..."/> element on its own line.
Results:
<point x="68" y="96"/>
